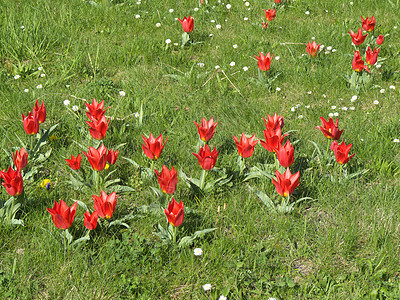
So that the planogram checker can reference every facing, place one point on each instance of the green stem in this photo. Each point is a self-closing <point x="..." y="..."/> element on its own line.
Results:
<point x="175" y="229"/>
<point x="11" y="208"/>
<point x="202" y="179"/>
<point x="65" y="242"/>
<point x="151" y="167"/>
<point x="276" y="161"/>
<point x="241" y="168"/>
<point x="327" y="151"/>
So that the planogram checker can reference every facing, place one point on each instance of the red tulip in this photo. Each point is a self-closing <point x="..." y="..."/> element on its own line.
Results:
<point x="273" y="122"/>
<point x="90" y="220"/>
<point x="246" y="145"/>
<point x="358" y="64"/>
<point x="206" y="158"/>
<point x="20" y="159"/>
<point x="31" y="124"/>
<point x="75" y="163"/>
<point x="98" y="128"/>
<point x="277" y="1"/>
<point x="152" y="147"/>
<point x="270" y="14"/>
<point x="371" y="57"/>
<point x="206" y="129"/>
<point x="341" y="152"/>
<point x="167" y="180"/>
<point x="358" y="38"/>
<point x="379" y="40"/>
<point x="105" y="204"/>
<point x="112" y="156"/>
<point x="312" y="48"/>
<point x="286" y="182"/>
<point x="174" y="213"/>
<point x="330" y="130"/>
<point x="12" y="181"/>
<point x="95" y="110"/>
<point x="368" y="24"/>
<point x="97" y="158"/>
<point x="62" y="215"/>
<point x="264" y="61"/>
<point x="264" y="25"/>
<point x="285" y="154"/>
<point x="39" y="112"/>
<point x="187" y="24"/>
<point x="273" y="138"/>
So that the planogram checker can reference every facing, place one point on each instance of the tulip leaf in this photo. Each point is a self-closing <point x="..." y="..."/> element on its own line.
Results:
<point x="188" y="240"/>
<point x="80" y="240"/>
<point x="264" y="198"/>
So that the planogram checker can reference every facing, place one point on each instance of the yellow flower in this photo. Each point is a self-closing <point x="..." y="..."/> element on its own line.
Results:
<point x="45" y="183"/>
<point x="107" y="166"/>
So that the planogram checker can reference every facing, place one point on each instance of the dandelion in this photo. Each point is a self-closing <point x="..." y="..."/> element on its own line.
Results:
<point x="136" y="114"/>
<point x="45" y="184"/>
<point x="122" y="93"/>
<point x="278" y="89"/>
<point x="26" y="90"/>
<point x="198" y="251"/>
<point x="218" y="26"/>
<point x="75" y="108"/>
<point x="158" y="24"/>
<point x="207" y="287"/>
<point x="235" y="46"/>
<point x="392" y="87"/>
<point x="376" y="102"/>
<point x="232" y="63"/>
<point x="167" y="41"/>
<point x="66" y="102"/>
<point x="354" y="98"/>
<point x="171" y="10"/>
<point x="307" y="12"/>
<point x="396" y="141"/>
<point x="137" y="16"/>
<point x="39" y="86"/>
<point x="228" y="6"/>
<point x="16" y="77"/>
<point x="382" y="91"/>
<point x="245" y="68"/>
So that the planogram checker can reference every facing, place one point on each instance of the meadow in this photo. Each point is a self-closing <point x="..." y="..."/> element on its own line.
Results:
<point x="234" y="230"/>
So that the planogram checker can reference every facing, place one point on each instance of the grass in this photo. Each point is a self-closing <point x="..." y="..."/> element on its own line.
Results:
<point x="342" y="244"/>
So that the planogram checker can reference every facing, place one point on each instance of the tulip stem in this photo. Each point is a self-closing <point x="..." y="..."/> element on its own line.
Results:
<point x="11" y="208"/>
<point x="241" y="167"/>
<point x="174" y="237"/>
<point x="151" y="167"/>
<point x="327" y="151"/>
<point x="202" y="179"/>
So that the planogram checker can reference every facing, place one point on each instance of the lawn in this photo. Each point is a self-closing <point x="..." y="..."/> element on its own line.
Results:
<point x="178" y="156"/>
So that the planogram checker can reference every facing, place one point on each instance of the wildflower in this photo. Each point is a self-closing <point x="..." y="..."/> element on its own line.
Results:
<point x="62" y="215"/>
<point x="39" y="112"/>
<point x="175" y="213"/>
<point x="368" y="24"/>
<point x="270" y="14"/>
<point x="358" y="63"/>
<point x="13" y="181"/>
<point x="153" y="147"/>
<point x="105" y="204"/>
<point x="246" y="145"/>
<point x="198" y="251"/>
<point x="167" y="180"/>
<point x="341" y="152"/>
<point x="329" y="129"/>
<point x="122" y="93"/>
<point x="354" y="98"/>
<point x="90" y="220"/>
<point x="206" y="158"/>
<point x="31" y="124"/>
<point x="75" y="108"/>
<point x="358" y="38"/>
<point x="286" y="182"/>
<point x="206" y="129"/>
<point x="66" y="102"/>
<point x="20" y="159"/>
<point x="46" y="183"/>
<point x="379" y="40"/>
<point x="207" y="287"/>
<point x="187" y="24"/>
<point x="16" y="77"/>
<point x="75" y="163"/>
<point x="264" y="61"/>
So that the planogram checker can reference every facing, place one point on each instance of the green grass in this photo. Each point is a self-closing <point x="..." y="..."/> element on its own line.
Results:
<point x="342" y="244"/>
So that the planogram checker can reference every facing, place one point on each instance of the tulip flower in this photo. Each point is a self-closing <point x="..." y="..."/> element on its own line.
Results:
<point x="105" y="204"/>
<point x="285" y="154"/>
<point x="270" y="14"/>
<point x="20" y="159"/>
<point x="31" y="124"/>
<point x="368" y="24"/>
<point x="152" y="147"/>
<point x="277" y="1"/>
<point x="174" y="213"/>
<point x="95" y="110"/>
<point x="312" y="48"/>
<point x="112" y="156"/>
<point x="330" y="130"/>
<point x="75" y="163"/>
<point x="206" y="129"/>
<point x="371" y="57"/>
<point x="341" y="152"/>
<point x="273" y="138"/>
<point x="62" y="215"/>
<point x="90" y="220"/>
<point x="358" y="64"/>
<point x="167" y="180"/>
<point x="206" y="158"/>
<point x="264" y="25"/>
<point x="246" y="145"/>
<point x="187" y="24"/>
<point x="358" y="38"/>
<point x="97" y="157"/>
<point x="12" y="181"/>
<point x="264" y="61"/>
<point x="273" y="122"/>
<point x="98" y="128"/>
<point x="379" y="40"/>
<point x="39" y="112"/>
<point x="286" y="182"/>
